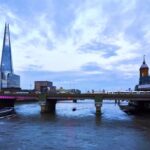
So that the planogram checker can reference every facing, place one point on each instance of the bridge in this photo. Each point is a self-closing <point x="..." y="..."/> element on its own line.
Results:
<point x="48" y="101"/>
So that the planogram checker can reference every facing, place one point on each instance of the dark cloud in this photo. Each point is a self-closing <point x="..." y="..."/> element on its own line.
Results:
<point x="33" y="67"/>
<point x="107" y="49"/>
<point x="91" y="67"/>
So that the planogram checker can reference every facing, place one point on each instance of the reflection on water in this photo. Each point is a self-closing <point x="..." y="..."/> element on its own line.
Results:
<point x="80" y="129"/>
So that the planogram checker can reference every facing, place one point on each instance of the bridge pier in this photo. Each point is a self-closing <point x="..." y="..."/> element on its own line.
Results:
<point x="49" y="106"/>
<point x="98" y="105"/>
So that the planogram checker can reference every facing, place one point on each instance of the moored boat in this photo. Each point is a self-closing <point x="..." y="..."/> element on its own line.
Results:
<point x="7" y="103"/>
<point x="6" y="111"/>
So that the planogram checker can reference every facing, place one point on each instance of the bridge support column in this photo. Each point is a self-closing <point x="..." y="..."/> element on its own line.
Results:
<point x="98" y="105"/>
<point x="49" y="106"/>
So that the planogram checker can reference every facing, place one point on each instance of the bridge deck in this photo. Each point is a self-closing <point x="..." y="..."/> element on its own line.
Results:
<point x="138" y="96"/>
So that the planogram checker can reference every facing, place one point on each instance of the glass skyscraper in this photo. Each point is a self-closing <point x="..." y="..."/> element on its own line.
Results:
<point x="8" y="78"/>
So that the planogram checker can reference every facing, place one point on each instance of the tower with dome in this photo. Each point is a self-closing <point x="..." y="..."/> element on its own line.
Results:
<point x="144" y="80"/>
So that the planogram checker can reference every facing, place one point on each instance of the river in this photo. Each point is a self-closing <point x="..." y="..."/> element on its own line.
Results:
<point x="28" y="129"/>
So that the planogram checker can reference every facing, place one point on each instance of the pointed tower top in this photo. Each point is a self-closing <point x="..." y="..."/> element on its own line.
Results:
<point x="6" y="61"/>
<point x="144" y="65"/>
<point x="7" y="35"/>
<point x="143" y="59"/>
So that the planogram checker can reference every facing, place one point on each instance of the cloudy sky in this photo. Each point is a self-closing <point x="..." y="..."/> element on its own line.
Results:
<point x="85" y="44"/>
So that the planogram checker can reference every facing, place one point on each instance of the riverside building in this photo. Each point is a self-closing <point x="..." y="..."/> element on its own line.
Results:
<point x="44" y="86"/>
<point x="144" y="80"/>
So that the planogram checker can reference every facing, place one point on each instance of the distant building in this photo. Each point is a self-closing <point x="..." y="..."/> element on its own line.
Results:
<point x="8" y="78"/>
<point x="70" y="91"/>
<point x="44" y="86"/>
<point x="144" y="80"/>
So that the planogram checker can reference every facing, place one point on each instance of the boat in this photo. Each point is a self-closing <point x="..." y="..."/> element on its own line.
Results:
<point x="6" y="111"/>
<point x="7" y="103"/>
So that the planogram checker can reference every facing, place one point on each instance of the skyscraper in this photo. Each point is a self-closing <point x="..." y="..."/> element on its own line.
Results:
<point x="8" y="78"/>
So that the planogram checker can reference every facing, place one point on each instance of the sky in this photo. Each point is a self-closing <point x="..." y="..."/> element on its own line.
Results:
<point x="84" y="44"/>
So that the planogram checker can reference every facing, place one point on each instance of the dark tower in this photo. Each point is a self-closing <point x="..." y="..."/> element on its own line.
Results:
<point x="144" y="85"/>
<point x="144" y="73"/>
<point x="144" y="70"/>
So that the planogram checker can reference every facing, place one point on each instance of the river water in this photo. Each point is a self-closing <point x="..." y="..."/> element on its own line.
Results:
<point x="28" y="129"/>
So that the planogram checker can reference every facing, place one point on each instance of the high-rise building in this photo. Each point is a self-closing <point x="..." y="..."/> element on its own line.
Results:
<point x="8" y="78"/>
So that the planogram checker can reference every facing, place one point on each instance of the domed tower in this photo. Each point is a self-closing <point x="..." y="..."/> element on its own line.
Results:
<point x="144" y="73"/>
<point x="144" y="70"/>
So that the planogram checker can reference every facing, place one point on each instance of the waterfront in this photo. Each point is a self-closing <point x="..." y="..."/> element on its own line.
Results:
<point x="76" y="130"/>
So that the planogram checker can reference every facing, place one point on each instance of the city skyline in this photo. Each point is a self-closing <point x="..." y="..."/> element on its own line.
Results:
<point x="85" y="45"/>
